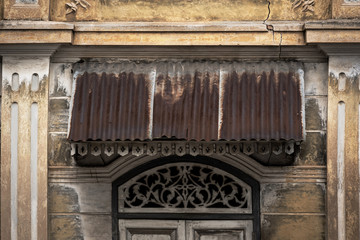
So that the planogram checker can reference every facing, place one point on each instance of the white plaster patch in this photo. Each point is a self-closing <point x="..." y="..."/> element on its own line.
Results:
<point x="34" y="168"/>
<point x="300" y="72"/>
<point x="315" y="78"/>
<point x="152" y="83"/>
<point x="14" y="168"/>
<point x="93" y="197"/>
<point x="61" y="78"/>
<point x="24" y="66"/>
<point x="268" y="198"/>
<point x="350" y="65"/>
<point x="340" y="170"/>
<point x="223" y="73"/>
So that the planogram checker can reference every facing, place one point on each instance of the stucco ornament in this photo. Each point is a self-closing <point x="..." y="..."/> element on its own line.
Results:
<point x="306" y="5"/>
<point x="72" y="7"/>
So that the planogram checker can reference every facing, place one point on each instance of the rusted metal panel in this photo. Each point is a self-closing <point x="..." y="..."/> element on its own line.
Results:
<point x="191" y="101"/>
<point x="261" y="106"/>
<point x="110" y="107"/>
<point x="186" y="103"/>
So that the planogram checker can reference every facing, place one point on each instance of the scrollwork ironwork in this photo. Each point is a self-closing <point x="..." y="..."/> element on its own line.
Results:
<point x="187" y="187"/>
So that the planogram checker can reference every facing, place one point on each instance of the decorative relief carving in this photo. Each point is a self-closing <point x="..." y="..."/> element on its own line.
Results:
<point x="305" y="5"/>
<point x="186" y="186"/>
<point x="82" y="150"/>
<point x="181" y="148"/>
<point x="72" y="7"/>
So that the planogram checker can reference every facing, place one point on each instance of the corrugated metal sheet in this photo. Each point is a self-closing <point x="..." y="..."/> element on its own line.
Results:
<point x="110" y="107"/>
<point x="261" y="106"/>
<point x="191" y="101"/>
<point x="186" y="102"/>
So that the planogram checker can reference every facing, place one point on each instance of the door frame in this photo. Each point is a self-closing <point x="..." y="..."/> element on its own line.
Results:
<point x="255" y="186"/>
<point x="182" y="229"/>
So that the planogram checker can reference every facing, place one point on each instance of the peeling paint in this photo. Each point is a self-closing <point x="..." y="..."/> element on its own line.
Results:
<point x="26" y="70"/>
<point x="339" y="65"/>
<point x="63" y="199"/>
<point x="60" y="79"/>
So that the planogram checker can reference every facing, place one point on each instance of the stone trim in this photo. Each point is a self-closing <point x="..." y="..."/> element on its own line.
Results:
<point x="263" y="174"/>
<point x="273" y="33"/>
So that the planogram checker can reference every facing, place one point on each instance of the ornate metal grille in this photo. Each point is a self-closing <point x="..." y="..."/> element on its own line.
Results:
<point x="185" y="188"/>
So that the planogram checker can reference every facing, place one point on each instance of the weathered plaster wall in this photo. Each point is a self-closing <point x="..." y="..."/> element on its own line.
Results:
<point x="343" y="144"/>
<point x="345" y="9"/>
<point x="26" y="9"/>
<point x="289" y="210"/>
<point x="297" y="210"/>
<point x="78" y="210"/>
<point x="24" y="141"/>
<point x="194" y="10"/>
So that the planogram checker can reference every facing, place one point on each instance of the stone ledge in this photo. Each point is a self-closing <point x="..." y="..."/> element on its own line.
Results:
<point x="333" y="25"/>
<point x="34" y="25"/>
<point x="271" y="33"/>
<point x="243" y="26"/>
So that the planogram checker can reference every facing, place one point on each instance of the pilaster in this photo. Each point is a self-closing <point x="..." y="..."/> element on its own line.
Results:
<point x="24" y="121"/>
<point x="343" y="143"/>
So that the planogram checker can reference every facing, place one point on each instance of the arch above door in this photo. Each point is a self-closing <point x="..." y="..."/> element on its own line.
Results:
<point x="186" y="188"/>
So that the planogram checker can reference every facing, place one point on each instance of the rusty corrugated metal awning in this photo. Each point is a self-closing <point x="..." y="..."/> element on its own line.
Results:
<point x="191" y="101"/>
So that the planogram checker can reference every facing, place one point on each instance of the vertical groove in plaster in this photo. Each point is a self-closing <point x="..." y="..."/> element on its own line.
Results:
<point x="221" y="99"/>
<point x="152" y="94"/>
<point x="35" y="82"/>
<point x="33" y="164"/>
<point x="342" y="81"/>
<point x="340" y="170"/>
<point x="15" y="82"/>
<point x="14" y="129"/>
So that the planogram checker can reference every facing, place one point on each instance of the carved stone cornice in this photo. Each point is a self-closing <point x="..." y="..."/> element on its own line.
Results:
<point x="332" y="32"/>
<point x="73" y="54"/>
<point x="341" y="49"/>
<point x="28" y="50"/>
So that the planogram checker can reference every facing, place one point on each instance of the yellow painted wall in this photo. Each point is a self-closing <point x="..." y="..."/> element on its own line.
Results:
<point x="191" y="10"/>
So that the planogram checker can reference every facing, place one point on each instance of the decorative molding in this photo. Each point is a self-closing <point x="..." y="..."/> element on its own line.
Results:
<point x="102" y="153"/>
<point x="263" y="174"/>
<point x="32" y="50"/>
<point x="306" y="5"/>
<point x="73" y="54"/>
<point x="186" y="187"/>
<point x="341" y="49"/>
<point x="72" y="7"/>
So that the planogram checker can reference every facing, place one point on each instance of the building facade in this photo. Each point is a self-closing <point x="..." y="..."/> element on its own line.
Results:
<point x="176" y="119"/>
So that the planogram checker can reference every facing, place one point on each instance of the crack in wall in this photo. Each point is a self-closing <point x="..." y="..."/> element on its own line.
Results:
<point x="269" y="11"/>
<point x="270" y="27"/>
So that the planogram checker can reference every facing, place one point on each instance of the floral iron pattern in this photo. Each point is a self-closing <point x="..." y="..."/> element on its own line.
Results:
<point x="188" y="187"/>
